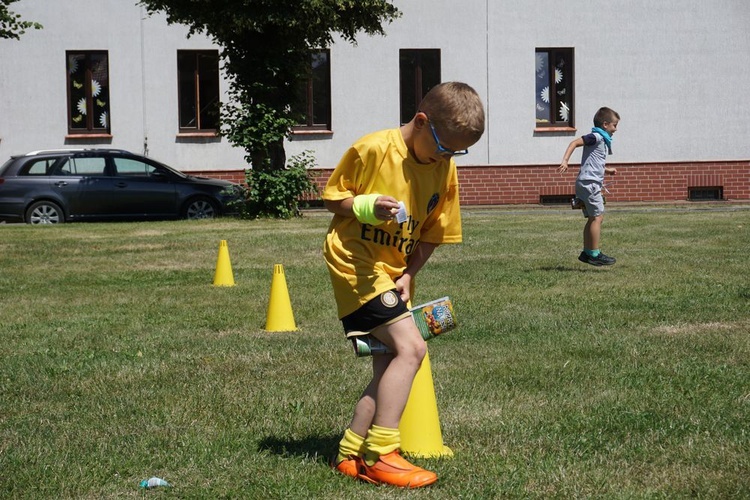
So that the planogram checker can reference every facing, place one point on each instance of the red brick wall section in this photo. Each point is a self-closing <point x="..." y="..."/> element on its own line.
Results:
<point x="237" y="176"/>
<point x="644" y="182"/>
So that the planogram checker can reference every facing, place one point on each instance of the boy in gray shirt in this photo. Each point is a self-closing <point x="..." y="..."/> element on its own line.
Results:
<point x="596" y="146"/>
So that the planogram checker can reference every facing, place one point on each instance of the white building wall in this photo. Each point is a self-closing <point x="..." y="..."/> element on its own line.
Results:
<point x="672" y="69"/>
<point x="676" y="70"/>
<point x="365" y="77"/>
<point x="161" y="42"/>
<point x="143" y="83"/>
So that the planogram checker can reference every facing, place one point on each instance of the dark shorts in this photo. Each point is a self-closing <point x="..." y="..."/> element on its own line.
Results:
<point x="382" y="310"/>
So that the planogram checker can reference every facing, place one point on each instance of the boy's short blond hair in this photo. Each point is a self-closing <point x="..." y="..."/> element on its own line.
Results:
<point x="455" y="108"/>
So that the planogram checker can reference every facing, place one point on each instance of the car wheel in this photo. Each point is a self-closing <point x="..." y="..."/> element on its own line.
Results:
<point x="200" y="208"/>
<point x="45" y="212"/>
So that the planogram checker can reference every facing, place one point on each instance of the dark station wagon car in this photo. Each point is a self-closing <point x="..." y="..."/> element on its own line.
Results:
<point x="52" y="187"/>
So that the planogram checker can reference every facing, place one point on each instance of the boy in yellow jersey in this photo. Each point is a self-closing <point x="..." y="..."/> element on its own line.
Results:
<point x="394" y="196"/>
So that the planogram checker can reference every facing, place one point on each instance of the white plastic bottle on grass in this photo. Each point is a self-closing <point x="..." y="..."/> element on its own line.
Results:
<point x="154" y="482"/>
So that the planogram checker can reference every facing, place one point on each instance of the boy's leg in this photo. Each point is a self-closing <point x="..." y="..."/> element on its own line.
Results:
<point x="382" y="462"/>
<point x="591" y="253"/>
<point x="352" y="443"/>
<point x="594" y="212"/>
<point x="364" y="411"/>
<point x="409" y="349"/>
<point x="591" y="232"/>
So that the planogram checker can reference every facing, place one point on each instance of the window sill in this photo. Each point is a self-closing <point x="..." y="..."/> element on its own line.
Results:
<point x="309" y="131"/>
<point x="198" y="138"/>
<point x="196" y="134"/>
<point x="542" y="130"/>
<point x="87" y="136"/>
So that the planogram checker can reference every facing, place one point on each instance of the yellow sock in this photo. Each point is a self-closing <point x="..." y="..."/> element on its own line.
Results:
<point x="351" y="444"/>
<point x="380" y="441"/>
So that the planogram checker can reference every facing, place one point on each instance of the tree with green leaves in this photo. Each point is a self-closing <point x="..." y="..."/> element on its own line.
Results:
<point x="11" y="25"/>
<point x="266" y="51"/>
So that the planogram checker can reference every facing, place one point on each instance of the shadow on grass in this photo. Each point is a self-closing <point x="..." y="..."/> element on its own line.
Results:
<point x="318" y="448"/>
<point x="567" y="269"/>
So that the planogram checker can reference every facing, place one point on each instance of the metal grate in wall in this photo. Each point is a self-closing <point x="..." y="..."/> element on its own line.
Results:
<point x="704" y="193"/>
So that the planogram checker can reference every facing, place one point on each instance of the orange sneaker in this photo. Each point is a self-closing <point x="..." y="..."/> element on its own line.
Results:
<point x="395" y="470"/>
<point x="347" y="467"/>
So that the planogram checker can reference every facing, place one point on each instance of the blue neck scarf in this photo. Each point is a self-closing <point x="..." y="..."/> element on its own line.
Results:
<point x="606" y="136"/>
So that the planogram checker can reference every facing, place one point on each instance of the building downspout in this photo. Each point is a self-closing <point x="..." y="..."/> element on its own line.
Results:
<point x="487" y="66"/>
<point x="143" y="83"/>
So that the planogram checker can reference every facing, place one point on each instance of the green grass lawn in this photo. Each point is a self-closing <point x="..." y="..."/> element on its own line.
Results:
<point x="120" y="360"/>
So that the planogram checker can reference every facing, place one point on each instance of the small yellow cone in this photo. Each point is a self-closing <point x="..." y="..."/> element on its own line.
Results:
<point x="223" y="275"/>
<point x="420" y="425"/>
<point x="279" y="317"/>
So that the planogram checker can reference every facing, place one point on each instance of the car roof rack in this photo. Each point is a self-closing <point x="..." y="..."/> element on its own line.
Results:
<point x="76" y="150"/>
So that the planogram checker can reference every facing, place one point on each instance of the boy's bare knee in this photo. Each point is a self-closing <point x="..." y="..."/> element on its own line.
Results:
<point x="414" y="352"/>
<point x="421" y="351"/>
<point x="365" y="406"/>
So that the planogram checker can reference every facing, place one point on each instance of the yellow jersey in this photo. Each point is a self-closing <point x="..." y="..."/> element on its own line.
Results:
<point x="364" y="260"/>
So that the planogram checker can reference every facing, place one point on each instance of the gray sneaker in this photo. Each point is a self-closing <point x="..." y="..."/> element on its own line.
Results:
<point x="599" y="260"/>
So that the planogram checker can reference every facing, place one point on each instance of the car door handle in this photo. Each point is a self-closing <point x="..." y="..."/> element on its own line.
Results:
<point x="61" y="183"/>
<point x="121" y="184"/>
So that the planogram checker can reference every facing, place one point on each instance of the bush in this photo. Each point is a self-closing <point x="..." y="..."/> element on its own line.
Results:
<point x="278" y="193"/>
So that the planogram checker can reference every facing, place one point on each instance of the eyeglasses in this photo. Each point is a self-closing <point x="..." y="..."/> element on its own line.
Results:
<point x="443" y="151"/>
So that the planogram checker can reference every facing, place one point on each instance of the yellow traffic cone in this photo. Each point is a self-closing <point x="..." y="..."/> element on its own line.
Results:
<point x="420" y="425"/>
<point x="279" y="317"/>
<point x="223" y="275"/>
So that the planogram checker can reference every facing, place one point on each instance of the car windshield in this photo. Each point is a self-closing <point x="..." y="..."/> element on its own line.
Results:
<point x="175" y="172"/>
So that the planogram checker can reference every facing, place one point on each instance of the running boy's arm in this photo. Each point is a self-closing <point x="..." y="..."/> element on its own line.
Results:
<point x="576" y="143"/>
<point x="416" y="260"/>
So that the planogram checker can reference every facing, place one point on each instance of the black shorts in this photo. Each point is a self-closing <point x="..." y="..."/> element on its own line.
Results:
<point x="384" y="309"/>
